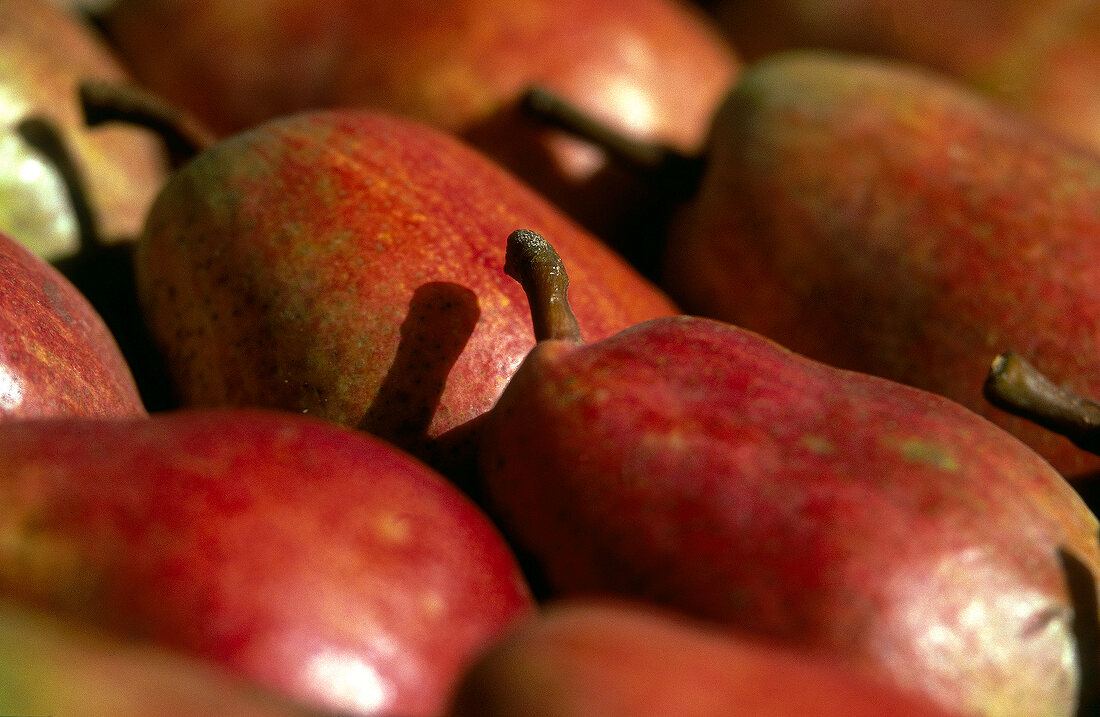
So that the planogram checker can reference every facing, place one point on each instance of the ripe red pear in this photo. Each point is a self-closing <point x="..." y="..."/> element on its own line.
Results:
<point x="314" y="560"/>
<point x="967" y="37"/>
<point x="701" y="466"/>
<point x="342" y="264"/>
<point x="57" y="357"/>
<point x="45" y="51"/>
<point x="604" y="658"/>
<point x="883" y="219"/>
<point x="653" y="67"/>
<point x="53" y="665"/>
<point x="1038" y="57"/>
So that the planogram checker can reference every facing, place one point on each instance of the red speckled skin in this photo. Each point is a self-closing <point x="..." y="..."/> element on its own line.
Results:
<point x="656" y="69"/>
<point x="351" y="265"/>
<point x="883" y="220"/>
<point x="604" y="658"/>
<point x="57" y="357"/>
<point x="701" y="466"/>
<point x="315" y="560"/>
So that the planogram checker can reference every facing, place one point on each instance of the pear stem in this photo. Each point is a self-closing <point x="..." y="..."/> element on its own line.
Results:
<point x="1015" y="385"/>
<point x="45" y="138"/>
<point x="662" y="165"/>
<point x="183" y="135"/>
<point x="535" y="264"/>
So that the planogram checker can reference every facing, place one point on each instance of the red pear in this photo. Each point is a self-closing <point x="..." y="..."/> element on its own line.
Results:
<point x="57" y="357"/>
<point x="53" y="665"/>
<point x="698" y="465"/>
<point x="45" y="51"/>
<point x="342" y="264"/>
<point x="967" y="36"/>
<point x="1039" y="57"/>
<point x="883" y="219"/>
<point x="317" y="561"/>
<point x="656" y="68"/>
<point x="601" y="658"/>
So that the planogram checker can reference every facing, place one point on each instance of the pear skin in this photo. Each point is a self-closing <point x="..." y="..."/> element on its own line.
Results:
<point x="313" y="560"/>
<point x="701" y="466"/>
<point x="880" y="218"/>
<point x="57" y="356"/>
<point x="53" y="665"/>
<point x="45" y="50"/>
<point x="1038" y="57"/>
<point x="603" y="658"/>
<point x="346" y="264"/>
<point x="653" y="68"/>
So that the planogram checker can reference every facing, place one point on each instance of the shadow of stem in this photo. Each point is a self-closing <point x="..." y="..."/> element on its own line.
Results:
<point x="440" y="320"/>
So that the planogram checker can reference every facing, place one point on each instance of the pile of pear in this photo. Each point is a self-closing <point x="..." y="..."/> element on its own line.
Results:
<point x="810" y="368"/>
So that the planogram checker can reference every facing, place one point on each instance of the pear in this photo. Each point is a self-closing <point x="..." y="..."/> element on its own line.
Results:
<point x="312" y="560"/>
<point x="53" y="665"/>
<point x="701" y="466"/>
<point x="57" y="356"/>
<point x="883" y="218"/>
<point x="602" y="658"/>
<point x="45" y="51"/>
<point x="338" y="263"/>
<point x="654" y="67"/>
<point x="1038" y="57"/>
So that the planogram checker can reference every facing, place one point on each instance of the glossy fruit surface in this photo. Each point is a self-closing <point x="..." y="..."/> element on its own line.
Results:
<point x="44" y="52"/>
<point x="654" y="68"/>
<point x="347" y="265"/>
<point x="314" y="560"/>
<point x="697" y="465"/>
<point x="835" y="510"/>
<point x="881" y="219"/>
<point x="603" y="657"/>
<point x="57" y="357"/>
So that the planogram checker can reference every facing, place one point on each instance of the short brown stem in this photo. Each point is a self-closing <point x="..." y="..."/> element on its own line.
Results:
<point x="534" y="263"/>
<point x="183" y="135"/>
<point x="44" y="136"/>
<point x="660" y="164"/>
<point x="1015" y="385"/>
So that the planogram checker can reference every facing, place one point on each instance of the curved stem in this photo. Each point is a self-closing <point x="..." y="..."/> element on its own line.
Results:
<point x="44" y="136"/>
<point x="183" y="135"/>
<point x="1016" y="386"/>
<point x="661" y="164"/>
<point x="534" y="263"/>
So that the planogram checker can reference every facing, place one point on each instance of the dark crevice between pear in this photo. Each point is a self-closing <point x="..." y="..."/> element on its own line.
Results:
<point x="1082" y="588"/>
<point x="103" y="272"/>
<point x="612" y="202"/>
<point x="440" y="320"/>
<point x="673" y="175"/>
<point x="661" y="164"/>
<point x="183" y="135"/>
